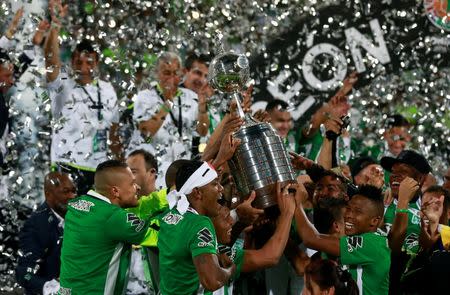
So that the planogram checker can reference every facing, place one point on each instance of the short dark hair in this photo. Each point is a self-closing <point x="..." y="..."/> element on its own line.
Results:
<point x="327" y="211"/>
<point x="185" y="171"/>
<point x="110" y="164"/>
<point x="85" y="46"/>
<point x="150" y="161"/>
<point x="374" y="194"/>
<point x="277" y="104"/>
<point x="193" y="57"/>
<point x="327" y="273"/>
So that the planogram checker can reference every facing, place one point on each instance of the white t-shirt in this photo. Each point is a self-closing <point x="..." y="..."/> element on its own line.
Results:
<point x="166" y="145"/>
<point x="80" y="134"/>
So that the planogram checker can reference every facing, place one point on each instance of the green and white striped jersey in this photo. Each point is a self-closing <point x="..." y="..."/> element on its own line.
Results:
<point x="97" y="245"/>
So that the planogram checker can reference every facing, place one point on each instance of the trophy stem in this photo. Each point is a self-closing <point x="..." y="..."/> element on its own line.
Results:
<point x="239" y="107"/>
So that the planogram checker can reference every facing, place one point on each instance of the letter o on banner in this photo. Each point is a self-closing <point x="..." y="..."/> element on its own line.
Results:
<point x="340" y="65"/>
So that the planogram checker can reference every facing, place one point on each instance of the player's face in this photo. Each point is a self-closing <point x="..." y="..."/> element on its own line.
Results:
<point x="223" y="224"/>
<point x="373" y="174"/>
<point x="281" y="121"/>
<point x="62" y="194"/>
<point x="328" y="187"/>
<point x="211" y="194"/>
<point x="127" y="189"/>
<point x="197" y="77"/>
<point x="399" y="172"/>
<point x="6" y="76"/>
<point x="359" y="217"/>
<point x="169" y="75"/>
<point x="84" y="64"/>
<point x="145" y="178"/>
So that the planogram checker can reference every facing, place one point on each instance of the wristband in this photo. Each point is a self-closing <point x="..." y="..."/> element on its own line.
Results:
<point x="401" y="210"/>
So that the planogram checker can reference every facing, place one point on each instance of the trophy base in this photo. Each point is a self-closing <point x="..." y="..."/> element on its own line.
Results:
<point x="266" y="196"/>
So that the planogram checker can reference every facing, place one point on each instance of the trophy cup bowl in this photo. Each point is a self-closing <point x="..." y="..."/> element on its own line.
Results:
<point x="261" y="159"/>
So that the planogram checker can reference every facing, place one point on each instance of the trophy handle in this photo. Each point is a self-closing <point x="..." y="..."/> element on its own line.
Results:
<point x="239" y="107"/>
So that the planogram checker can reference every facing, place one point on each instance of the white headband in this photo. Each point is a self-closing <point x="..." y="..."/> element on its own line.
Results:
<point x="202" y="176"/>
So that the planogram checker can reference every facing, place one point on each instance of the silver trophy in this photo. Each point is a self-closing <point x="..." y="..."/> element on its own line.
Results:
<point x="261" y="159"/>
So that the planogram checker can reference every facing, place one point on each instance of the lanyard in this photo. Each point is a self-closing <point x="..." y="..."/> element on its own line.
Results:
<point x="96" y="106"/>
<point x="178" y="123"/>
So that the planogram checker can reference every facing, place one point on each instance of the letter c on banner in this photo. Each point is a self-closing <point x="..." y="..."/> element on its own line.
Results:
<point x="340" y="64"/>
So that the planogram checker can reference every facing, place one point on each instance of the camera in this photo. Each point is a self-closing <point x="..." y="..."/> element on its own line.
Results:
<point x="332" y="135"/>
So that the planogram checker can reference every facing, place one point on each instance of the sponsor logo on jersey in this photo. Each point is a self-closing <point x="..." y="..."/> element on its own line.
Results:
<point x="172" y="218"/>
<point x="411" y="241"/>
<point x="438" y="12"/>
<point x="82" y="205"/>
<point x="354" y="242"/>
<point x="205" y="237"/>
<point x="135" y="221"/>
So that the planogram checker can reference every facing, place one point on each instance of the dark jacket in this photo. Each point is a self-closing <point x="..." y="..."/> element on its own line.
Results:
<point x="40" y="245"/>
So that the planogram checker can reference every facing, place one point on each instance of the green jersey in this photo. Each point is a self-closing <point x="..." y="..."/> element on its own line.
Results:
<point x="150" y="207"/>
<point x="369" y="260"/>
<point x="96" y="245"/>
<point x="182" y="238"/>
<point x="236" y="254"/>
<point x="411" y="243"/>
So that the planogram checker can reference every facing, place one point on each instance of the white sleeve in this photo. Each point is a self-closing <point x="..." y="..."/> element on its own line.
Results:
<point x="5" y="43"/>
<point x="58" y="93"/>
<point x="146" y="105"/>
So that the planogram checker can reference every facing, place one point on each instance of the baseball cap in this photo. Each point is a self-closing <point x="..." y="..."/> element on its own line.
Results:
<point x="361" y="163"/>
<point x="408" y="157"/>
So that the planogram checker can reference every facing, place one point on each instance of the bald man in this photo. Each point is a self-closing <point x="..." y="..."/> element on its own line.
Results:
<point x="40" y="237"/>
<point x="99" y="232"/>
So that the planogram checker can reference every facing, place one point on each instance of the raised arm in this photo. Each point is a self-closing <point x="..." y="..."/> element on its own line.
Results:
<point x="211" y="275"/>
<point x="310" y="236"/>
<point x="12" y="28"/>
<point x="51" y="47"/>
<point x="271" y="252"/>
<point x="407" y="190"/>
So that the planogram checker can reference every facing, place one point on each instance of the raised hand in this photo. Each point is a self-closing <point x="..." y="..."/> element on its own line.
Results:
<point x="286" y="202"/>
<point x="299" y="162"/>
<point x="246" y="212"/>
<point x="407" y="190"/>
<point x="262" y="116"/>
<point x="14" y="23"/>
<point x="227" y="148"/>
<point x="58" y="11"/>
<point x="247" y="99"/>
<point x="301" y="194"/>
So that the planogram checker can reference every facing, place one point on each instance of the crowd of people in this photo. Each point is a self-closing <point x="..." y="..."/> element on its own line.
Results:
<point x="140" y="199"/>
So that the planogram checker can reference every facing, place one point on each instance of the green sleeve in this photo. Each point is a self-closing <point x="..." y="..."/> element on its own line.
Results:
<point x="239" y="261"/>
<point x="203" y="238"/>
<point x="151" y="205"/>
<point x="359" y="249"/>
<point x="125" y="227"/>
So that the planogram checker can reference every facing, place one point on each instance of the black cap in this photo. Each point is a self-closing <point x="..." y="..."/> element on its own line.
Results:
<point x="361" y="163"/>
<point x="407" y="157"/>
